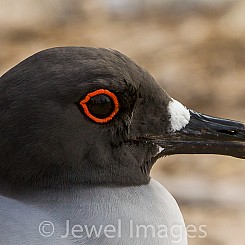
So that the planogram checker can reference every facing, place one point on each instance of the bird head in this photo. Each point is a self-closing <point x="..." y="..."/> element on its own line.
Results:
<point x="77" y="115"/>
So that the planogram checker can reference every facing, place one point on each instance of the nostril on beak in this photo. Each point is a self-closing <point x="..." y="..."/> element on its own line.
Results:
<point x="229" y="132"/>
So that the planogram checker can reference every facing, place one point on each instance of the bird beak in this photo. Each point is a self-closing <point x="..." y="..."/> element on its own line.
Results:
<point x="205" y="135"/>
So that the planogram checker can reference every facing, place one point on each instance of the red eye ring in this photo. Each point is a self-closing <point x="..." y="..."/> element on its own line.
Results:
<point x="98" y="92"/>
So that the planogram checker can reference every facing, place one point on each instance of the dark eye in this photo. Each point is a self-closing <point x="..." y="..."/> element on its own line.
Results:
<point x="100" y="106"/>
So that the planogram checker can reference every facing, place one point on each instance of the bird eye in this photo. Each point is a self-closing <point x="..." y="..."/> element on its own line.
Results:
<point x="100" y="106"/>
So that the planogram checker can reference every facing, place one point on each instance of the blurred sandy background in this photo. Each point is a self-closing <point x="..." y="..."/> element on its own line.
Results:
<point x="194" y="48"/>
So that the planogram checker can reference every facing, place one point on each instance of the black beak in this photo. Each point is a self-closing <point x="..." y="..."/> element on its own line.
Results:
<point x="205" y="135"/>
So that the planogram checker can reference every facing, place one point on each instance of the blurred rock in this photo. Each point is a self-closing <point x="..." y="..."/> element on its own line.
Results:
<point x="31" y="14"/>
<point x="233" y="23"/>
<point x="176" y="7"/>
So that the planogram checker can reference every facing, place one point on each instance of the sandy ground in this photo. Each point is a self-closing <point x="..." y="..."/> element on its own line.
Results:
<point x="198" y="57"/>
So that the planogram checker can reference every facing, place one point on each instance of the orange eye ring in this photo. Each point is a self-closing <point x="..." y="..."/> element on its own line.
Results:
<point x="84" y="102"/>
